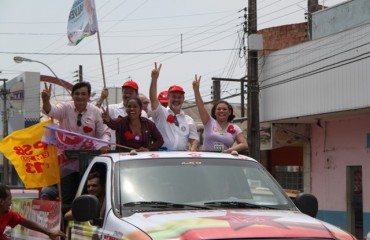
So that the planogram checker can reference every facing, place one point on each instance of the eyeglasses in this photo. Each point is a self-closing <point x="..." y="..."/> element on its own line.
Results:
<point x="176" y="122"/>
<point x="79" y="116"/>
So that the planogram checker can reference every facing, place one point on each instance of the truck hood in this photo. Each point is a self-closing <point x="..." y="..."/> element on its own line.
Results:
<point x="229" y="224"/>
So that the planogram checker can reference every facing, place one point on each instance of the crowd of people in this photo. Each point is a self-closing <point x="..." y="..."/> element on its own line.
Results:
<point x="142" y="124"/>
<point x="139" y="123"/>
<point x="159" y="123"/>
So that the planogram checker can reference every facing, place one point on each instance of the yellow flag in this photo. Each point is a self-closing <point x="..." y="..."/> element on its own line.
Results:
<point x="35" y="162"/>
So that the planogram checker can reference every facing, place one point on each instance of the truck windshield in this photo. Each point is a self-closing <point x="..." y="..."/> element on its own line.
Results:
<point x="196" y="181"/>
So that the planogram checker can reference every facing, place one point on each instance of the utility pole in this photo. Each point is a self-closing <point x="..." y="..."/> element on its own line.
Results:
<point x="217" y="90"/>
<point x="253" y="87"/>
<point x="80" y="75"/>
<point x="4" y="92"/>
<point x="311" y="8"/>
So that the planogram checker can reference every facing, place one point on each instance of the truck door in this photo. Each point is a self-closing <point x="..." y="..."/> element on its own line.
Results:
<point x="95" y="181"/>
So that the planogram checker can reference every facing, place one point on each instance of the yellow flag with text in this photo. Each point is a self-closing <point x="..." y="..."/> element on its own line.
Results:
<point x="35" y="162"/>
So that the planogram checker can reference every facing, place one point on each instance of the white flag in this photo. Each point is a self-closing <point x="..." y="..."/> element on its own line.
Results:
<point x="67" y="140"/>
<point x="82" y="21"/>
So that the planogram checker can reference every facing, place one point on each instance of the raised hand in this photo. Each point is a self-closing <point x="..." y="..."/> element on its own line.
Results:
<point x="155" y="71"/>
<point x="104" y="93"/>
<point x="196" y="82"/>
<point x="204" y="115"/>
<point x="46" y="93"/>
<point x="105" y="114"/>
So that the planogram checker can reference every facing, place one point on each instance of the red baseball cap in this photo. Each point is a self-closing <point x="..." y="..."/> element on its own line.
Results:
<point x="175" y="88"/>
<point x="162" y="97"/>
<point x="131" y="84"/>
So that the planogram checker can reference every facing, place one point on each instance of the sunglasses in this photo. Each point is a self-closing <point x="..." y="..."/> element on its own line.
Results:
<point x="176" y="122"/>
<point x="79" y="116"/>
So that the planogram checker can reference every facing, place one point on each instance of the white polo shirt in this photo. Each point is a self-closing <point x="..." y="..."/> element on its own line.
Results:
<point x="175" y="137"/>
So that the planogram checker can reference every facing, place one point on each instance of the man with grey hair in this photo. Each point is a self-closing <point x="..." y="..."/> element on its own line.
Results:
<point x="145" y="101"/>
<point x="178" y="129"/>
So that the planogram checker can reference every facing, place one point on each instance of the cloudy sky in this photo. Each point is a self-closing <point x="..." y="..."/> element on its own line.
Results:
<point x="187" y="36"/>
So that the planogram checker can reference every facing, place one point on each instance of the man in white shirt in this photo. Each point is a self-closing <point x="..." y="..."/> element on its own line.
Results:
<point x="178" y="129"/>
<point x="77" y="116"/>
<point x="129" y="89"/>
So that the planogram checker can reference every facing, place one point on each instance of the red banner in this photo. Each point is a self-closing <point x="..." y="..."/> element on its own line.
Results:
<point x="43" y="212"/>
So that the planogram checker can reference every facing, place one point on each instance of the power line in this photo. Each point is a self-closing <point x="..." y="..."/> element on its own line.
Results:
<point x="162" y="53"/>
<point x="320" y="70"/>
<point x="121" y="53"/>
<point x="119" y="20"/>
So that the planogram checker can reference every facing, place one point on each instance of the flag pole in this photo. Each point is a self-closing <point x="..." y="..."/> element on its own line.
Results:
<point x="59" y="186"/>
<point x="102" y="65"/>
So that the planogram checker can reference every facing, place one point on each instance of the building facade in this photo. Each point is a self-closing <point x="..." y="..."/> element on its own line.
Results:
<point x="22" y="106"/>
<point x="324" y="85"/>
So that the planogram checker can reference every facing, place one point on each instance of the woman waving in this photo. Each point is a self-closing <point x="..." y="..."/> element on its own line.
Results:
<point x="219" y="133"/>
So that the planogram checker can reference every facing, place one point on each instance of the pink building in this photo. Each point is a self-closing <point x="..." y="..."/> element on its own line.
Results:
<point x="321" y="86"/>
<point x="340" y="153"/>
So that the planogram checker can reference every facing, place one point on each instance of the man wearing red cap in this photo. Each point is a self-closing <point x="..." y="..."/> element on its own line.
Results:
<point x="129" y="89"/>
<point x="178" y="129"/>
<point x="163" y="98"/>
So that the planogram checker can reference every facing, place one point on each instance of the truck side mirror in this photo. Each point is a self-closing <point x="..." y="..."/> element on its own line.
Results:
<point x="85" y="208"/>
<point x="307" y="204"/>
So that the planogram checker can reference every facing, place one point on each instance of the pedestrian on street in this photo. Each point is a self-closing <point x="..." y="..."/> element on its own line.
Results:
<point x="8" y="217"/>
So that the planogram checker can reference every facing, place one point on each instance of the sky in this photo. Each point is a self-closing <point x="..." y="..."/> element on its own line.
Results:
<point x="187" y="37"/>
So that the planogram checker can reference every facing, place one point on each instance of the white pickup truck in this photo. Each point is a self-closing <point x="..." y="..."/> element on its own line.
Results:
<point x="190" y="196"/>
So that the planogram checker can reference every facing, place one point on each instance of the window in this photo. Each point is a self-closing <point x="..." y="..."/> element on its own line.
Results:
<point x="289" y="177"/>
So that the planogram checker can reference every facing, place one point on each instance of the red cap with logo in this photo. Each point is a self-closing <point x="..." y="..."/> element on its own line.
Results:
<point x="131" y="84"/>
<point x="175" y="88"/>
<point x="162" y="97"/>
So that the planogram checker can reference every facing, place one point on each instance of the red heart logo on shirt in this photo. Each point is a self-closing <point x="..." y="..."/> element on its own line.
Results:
<point x="171" y="119"/>
<point x="87" y="129"/>
<point x="129" y="135"/>
<point x="231" y="129"/>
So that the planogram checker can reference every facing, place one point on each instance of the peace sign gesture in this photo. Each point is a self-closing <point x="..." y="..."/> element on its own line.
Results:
<point x="46" y="93"/>
<point x="155" y="71"/>
<point x="196" y="82"/>
<point x="204" y="115"/>
<point x="105" y="115"/>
